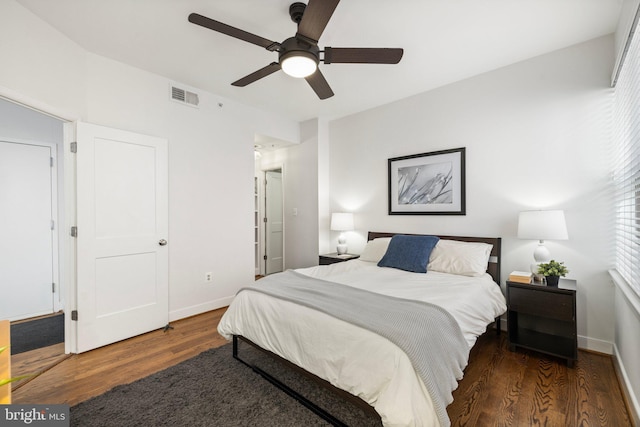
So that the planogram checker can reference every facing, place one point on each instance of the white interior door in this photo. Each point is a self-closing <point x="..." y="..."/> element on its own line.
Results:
<point x="122" y="217"/>
<point x="26" y="215"/>
<point x="274" y="225"/>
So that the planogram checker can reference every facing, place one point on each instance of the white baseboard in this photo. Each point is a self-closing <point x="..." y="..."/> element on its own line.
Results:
<point x="623" y="378"/>
<point x="199" y="308"/>
<point x="593" y="344"/>
<point x="584" y="343"/>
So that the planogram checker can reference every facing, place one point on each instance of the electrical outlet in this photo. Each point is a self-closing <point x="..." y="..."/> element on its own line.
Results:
<point x="208" y="277"/>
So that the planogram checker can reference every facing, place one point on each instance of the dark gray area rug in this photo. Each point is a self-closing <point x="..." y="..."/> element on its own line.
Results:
<point x="38" y="333"/>
<point x="214" y="389"/>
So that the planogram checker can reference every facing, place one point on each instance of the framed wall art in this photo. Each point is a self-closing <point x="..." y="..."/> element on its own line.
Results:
<point x="428" y="183"/>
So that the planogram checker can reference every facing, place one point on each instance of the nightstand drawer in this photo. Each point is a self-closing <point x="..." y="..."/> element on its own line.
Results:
<point x="541" y="303"/>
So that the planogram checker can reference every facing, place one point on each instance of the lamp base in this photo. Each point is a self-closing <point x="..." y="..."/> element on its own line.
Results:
<point x="342" y="244"/>
<point x="541" y="255"/>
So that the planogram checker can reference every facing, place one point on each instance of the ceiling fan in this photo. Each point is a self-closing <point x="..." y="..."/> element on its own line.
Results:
<point x="300" y="55"/>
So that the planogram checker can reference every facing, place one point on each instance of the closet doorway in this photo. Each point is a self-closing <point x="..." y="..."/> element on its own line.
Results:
<point x="273" y="222"/>
<point x="28" y="273"/>
<point x="31" y="217"/>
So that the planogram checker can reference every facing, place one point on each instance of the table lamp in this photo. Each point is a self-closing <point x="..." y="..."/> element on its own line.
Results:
<point x="342" y="221"/>
<point x="541" y="226"/>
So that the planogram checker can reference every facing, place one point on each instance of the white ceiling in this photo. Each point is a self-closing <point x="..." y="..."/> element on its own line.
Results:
<point x="443" y="40"/>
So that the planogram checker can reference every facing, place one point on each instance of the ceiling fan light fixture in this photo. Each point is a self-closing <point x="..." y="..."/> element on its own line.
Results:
<point x="299" y="56"/>
<point x="299" y="64"/>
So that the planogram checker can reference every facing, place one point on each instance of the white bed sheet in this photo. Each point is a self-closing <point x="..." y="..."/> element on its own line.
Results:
<point x="473" y="301"/>
<point x="343" y="354"/>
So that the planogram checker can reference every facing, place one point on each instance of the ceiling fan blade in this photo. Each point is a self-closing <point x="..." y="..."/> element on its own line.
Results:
<point x="257" y="75"/>
<point x="237" y="33"/>
<point x="319" y="85"/>
<point x="358" y="55"/>
<point x="315" y="18"/>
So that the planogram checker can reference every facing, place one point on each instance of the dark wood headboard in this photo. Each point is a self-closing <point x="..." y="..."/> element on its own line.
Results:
<point x="493" y="267"/>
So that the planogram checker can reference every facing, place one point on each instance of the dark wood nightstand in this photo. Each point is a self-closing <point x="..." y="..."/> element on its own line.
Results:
<point x="543" y="318"/>
<point x="332" y="258"/>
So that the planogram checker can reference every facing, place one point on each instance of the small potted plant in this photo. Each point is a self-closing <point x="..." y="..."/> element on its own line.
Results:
<point x="552" y="271"/>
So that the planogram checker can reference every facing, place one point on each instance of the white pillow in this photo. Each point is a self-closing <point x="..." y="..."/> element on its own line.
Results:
<point x="375" y="249"/>
<point x="463" y="258"/>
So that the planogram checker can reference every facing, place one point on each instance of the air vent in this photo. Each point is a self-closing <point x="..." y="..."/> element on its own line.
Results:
<point x="177" y="94"/>
<point x="184" y="96"/>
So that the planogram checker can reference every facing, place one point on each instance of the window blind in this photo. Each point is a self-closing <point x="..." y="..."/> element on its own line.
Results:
<point x="628" y="17"/>
<point x="626" y="168"/>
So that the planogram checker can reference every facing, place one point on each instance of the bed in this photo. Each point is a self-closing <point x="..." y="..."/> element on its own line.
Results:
<point x="378" y="328"/>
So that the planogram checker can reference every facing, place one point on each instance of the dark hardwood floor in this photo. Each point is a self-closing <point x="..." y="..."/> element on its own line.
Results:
<point x="89" y="374"/>
<point x="526" y="388"/>
<point x="500" y="388"/>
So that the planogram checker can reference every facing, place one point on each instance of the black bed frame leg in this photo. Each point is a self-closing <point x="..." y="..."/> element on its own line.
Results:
<point x="235" y="348"/>
<point x="301" y="399"/>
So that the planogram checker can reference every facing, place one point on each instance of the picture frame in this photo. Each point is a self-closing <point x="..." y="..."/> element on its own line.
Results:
<point x="428" y="183"/>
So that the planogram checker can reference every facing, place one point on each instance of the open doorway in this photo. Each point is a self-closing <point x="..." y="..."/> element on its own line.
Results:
<point x="270" y="196"/>
<point x="31" y="222"/>
<point x="269" y="222"/>
<point x="273" y="222"/>
<point x="33" y="212"/>
<point x="28" y="195"/>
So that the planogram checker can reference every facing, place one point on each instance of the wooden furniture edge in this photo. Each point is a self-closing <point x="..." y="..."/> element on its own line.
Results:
<point x="5" y="361"/>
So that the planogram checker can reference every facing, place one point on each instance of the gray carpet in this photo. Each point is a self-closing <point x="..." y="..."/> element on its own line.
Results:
<point x="34" y="334"/>
<point x="213" y="389"/>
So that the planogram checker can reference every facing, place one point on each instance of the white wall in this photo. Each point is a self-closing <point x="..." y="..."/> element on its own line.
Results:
<point x="324" y="190"/>
<point x="536" y="135"/>
<point x="38" y="62"/>
<point x="210" y="149"/>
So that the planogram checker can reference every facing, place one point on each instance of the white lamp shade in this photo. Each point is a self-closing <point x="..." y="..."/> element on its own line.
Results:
<point x="542" y="225"/>
<point x="342" y="221"/>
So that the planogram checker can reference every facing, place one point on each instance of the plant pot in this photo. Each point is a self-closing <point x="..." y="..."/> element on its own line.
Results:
<point x="552" y="280"/>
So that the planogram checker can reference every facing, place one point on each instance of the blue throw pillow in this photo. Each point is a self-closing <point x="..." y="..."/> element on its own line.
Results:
<point x="409" y="253"/>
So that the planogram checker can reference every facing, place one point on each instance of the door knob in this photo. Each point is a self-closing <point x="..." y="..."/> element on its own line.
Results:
<point x="162" y="242"/>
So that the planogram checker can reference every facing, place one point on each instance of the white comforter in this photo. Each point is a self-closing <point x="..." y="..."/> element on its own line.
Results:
<point x="352" y="358"/>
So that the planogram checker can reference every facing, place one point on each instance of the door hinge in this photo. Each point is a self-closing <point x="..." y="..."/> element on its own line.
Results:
<point x="53" y="288"/>
<point x="53" y="225"/>
<point x="264" y="257"/>
<point x="74" y="231"/>
<point x="50" y="162"/>
<point x="264" y="219"/>
<point x="74" y="147"/>
<point x="74" y="315"/>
